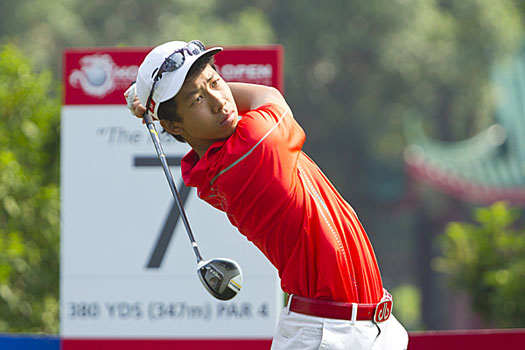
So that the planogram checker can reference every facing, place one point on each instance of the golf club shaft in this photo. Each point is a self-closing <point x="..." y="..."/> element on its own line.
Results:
<point x="162" y="157"/>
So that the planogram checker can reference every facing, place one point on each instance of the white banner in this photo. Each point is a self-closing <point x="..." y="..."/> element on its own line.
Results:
<point x="127" y="267"/>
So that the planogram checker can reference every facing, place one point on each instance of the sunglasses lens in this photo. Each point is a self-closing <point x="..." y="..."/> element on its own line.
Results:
<point x="174" y="61"/>
<point x="193" y="49"/>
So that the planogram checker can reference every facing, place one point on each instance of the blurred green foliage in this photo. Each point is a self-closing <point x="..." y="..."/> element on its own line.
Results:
<point x="353" y="70"/>
<point x="43" y="28"/>
<point x="356" y="68"/>
<point x="29" y="196"/>
<point x="408" y="305"/>
<point x="486" y="259"/>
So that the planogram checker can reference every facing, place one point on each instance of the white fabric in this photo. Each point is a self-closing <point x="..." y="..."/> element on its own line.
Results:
<point x="303" y="332"/>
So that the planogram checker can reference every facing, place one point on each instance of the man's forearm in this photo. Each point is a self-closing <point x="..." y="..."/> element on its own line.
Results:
<point x="251" y="96"/>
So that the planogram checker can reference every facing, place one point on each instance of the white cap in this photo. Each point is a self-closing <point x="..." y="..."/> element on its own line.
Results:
<point x="171" y="82"/>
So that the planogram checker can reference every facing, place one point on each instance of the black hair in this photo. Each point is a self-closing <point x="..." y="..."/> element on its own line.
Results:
<point x="168" y="109"/>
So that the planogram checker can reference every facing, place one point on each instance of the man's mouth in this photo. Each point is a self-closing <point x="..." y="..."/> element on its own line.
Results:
<point x="227" y="119"/>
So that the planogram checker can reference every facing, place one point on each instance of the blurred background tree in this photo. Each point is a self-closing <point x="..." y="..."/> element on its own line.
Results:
<point x="353" y="70"/>
<point x="486" y="259"/>
<point x="44" y="28"/>
<point x="29" y="196"/>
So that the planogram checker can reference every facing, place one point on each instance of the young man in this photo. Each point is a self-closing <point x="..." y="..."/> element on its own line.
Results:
<point x="246" y="160"/>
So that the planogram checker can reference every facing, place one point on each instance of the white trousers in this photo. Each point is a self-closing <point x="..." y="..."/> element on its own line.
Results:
<point x="303" y="332"/>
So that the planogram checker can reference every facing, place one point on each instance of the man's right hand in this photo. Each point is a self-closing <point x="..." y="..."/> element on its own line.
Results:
<point x="133" y="103"/>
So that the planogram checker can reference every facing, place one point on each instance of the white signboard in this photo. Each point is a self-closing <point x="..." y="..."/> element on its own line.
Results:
<point x="127" y="267"/>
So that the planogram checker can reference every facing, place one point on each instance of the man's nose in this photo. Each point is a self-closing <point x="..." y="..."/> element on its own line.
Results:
<point x="219" y="102"/>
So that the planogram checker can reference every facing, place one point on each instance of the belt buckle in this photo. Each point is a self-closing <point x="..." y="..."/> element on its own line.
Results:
<point x="383" y="310"/>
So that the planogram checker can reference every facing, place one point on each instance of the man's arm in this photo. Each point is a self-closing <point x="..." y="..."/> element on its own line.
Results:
<point x="252" y="96"/>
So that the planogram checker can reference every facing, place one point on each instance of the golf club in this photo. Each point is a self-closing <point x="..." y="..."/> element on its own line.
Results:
<point x="221" y="277"/>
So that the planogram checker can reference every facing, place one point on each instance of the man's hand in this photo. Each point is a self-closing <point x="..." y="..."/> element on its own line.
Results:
<point x="133" y="103"/>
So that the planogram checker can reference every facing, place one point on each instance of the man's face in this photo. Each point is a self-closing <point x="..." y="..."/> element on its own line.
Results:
<point x="208" y="111"/>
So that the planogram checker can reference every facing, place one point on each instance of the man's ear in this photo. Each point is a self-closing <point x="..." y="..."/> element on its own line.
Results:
<point x="171" y="126"/>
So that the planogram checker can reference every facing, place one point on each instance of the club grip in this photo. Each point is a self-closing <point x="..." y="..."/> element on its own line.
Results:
<point x="147" y="118"/>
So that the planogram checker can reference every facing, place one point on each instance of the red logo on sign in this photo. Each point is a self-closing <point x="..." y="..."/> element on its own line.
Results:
<point x="383" y="311"/>
<point x="98" y="75"/>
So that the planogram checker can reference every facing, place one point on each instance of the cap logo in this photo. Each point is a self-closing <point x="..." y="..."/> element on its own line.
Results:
<point x="152" y="106"/>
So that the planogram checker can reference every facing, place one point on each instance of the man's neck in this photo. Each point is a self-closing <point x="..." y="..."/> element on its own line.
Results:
<point x="199" y="148"/>
<point x="200" y="153"/>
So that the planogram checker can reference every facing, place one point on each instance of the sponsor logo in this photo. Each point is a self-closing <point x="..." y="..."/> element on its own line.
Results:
<point x="255" y="73"/>
<point x="98" y="75"/>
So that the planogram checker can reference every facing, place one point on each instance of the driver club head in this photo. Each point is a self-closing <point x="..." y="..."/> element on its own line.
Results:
<point x="221" y="277"/>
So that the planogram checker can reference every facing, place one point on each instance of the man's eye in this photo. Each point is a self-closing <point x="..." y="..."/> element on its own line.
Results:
<point x="215" y="83"/>
<point x="197" y="100"/>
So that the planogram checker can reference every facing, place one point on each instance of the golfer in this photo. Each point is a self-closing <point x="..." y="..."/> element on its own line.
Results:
<point x="246" y="160"/>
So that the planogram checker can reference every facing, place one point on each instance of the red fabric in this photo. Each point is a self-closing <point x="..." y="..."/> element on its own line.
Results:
<point x="280" y="200"/>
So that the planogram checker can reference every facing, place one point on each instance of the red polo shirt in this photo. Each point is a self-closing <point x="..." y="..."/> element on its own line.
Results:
<point x="281" y="201"/>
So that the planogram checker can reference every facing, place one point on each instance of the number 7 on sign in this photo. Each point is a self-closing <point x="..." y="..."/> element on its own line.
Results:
<point x="170" y="224"/>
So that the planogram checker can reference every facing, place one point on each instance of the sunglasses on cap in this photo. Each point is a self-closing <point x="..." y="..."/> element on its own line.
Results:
<point x="174" y="62"/>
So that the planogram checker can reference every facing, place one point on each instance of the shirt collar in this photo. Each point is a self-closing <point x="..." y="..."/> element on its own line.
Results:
<point x="193" y="169"/>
